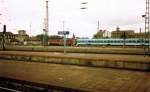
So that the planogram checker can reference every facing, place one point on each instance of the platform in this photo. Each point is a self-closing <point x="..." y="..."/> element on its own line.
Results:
<point x="84" y="78"/>
<point x="137" y="62"/>
<point x="70" y="49"/>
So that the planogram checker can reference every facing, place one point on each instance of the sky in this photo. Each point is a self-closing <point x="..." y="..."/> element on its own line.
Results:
<point x="29" y="15"/>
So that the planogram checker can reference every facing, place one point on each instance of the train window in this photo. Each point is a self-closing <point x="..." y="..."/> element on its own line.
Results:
<point x="134" y="41"/>
<point x="128" y="41"/>
<point x="95" y="41"/>
<point x="90" y="41"/>
<point x="118" y="41"/>
<point x="98" y="41"/>
<point x="108" y="41"/>
<point x="83" y="41"/>
<point x="146" y="41"/>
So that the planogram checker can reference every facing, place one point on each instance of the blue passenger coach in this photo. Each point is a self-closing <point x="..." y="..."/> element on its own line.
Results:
<point x="115" y="42"/>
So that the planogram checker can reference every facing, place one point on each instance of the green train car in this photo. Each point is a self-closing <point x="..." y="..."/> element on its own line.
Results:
<point x="115" y="42"/>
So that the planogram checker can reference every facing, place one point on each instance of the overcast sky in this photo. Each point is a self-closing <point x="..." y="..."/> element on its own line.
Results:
<point x="20" y="14"/>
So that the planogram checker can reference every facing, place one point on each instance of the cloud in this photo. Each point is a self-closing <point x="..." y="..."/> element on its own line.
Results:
<point x="111" y="13"/>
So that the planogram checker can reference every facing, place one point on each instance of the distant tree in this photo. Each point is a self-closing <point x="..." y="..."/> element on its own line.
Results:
<point x="43" y="38"/>
<point x="55" y="37"/>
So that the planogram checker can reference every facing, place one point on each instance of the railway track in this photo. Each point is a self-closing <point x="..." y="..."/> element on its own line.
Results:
<point x="4" y="89"/>
<point x="14" y="85"/>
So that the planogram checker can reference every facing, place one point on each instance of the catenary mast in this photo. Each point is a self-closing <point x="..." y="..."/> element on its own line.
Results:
<point x="46" y="25"/>
<point x="147" y="23"/>
<point x="47" y="19"/>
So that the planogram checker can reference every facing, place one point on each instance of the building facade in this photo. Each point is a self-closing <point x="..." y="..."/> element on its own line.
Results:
<point x="9" y="37"/>
<point x="122" y="33"/>
<point x="102" y="34"/>
<point x="22" y="37"/>
<point x="34" y="41"/>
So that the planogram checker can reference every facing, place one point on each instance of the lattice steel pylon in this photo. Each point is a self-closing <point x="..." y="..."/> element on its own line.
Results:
<point x="147" y="26"/>
<point x="47" y="18"/>
<point x="46" y="25"/>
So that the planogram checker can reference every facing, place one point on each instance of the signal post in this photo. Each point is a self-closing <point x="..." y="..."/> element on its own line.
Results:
<point x="64" y="33"/>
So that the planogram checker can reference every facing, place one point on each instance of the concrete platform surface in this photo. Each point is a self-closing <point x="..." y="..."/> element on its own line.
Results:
<point x="99" y="50"/>
<point x="85" y="78"/>
<point x="102" y="57"/>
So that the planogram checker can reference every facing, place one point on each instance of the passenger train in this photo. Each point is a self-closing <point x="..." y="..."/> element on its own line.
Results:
<point x="115" y="42"/>
<point x="102" y="42"/>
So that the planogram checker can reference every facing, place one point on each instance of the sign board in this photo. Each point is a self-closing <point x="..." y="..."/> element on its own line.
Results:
<point x="63" y="32"/>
